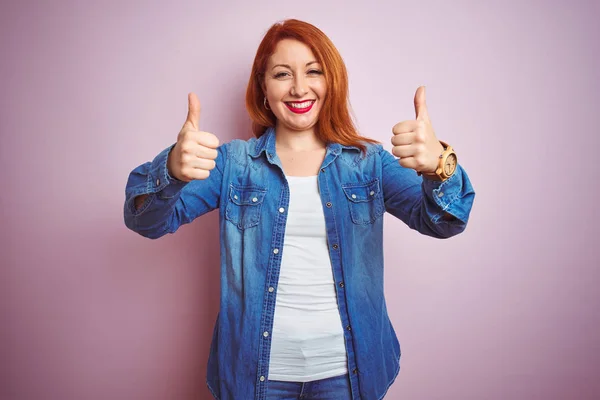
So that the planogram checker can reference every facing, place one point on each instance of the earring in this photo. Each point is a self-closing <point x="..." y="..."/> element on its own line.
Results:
<point x="265" y="103"/>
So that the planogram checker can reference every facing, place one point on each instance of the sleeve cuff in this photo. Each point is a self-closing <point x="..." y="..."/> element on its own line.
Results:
<point x="445" y="194"/>
<point x="159" y="180"/>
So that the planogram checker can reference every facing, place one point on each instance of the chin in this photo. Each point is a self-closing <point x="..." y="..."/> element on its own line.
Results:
<point x="298" y="123"/>
<point x="300" y="127"/>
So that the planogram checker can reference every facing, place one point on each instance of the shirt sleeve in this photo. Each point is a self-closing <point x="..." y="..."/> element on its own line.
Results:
<point x="423" y="203"/>
<point x="170" y="202"/>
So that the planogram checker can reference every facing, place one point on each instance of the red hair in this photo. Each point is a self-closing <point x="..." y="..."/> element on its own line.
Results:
<point x="334" y="123"/>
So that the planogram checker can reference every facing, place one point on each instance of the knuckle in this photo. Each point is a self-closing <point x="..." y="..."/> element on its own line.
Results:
<point x="185" y="147"/>
<point x="184" y="134"/>
<point x="185" y="173"/>
<point x="186" y="158"/>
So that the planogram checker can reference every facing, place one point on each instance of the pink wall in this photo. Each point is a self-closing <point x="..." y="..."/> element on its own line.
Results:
<point x="92" y="311"/>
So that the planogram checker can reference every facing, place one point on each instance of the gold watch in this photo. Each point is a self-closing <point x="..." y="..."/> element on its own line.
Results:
<point x="446" y="166"/>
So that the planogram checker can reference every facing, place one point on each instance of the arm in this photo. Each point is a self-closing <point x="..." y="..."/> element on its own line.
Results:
<point x="433" y="208"/>
<point x="157" y="204"/>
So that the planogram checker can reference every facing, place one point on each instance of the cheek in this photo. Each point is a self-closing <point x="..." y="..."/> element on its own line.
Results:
<point x="321" y="89"/>
<point x="276" y="90"/>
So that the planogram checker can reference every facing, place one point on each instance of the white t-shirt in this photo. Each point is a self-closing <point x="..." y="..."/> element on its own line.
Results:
<point x="308" y="336"/>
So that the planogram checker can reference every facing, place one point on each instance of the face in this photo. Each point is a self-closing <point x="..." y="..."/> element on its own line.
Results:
<point x="294" y="85"/>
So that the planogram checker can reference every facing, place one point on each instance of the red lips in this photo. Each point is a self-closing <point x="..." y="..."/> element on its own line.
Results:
<point x="300" y="110"/>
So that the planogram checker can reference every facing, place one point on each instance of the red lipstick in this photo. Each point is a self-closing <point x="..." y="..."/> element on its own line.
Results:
<point x="297" y="110"/>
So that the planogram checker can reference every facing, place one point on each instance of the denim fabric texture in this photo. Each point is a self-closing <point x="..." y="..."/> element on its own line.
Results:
<point x="250" y="190"/>
<point x="335" y="388"/>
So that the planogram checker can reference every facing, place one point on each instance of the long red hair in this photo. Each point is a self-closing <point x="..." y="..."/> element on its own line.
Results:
<point x="334" y="123"/>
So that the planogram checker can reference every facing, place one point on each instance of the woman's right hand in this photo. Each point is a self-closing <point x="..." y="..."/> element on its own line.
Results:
<point x="195" y="152"/>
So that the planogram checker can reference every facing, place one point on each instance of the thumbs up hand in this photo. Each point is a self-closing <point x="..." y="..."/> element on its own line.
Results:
<point x="414" y="140"/>
<point x="194" y="154"/>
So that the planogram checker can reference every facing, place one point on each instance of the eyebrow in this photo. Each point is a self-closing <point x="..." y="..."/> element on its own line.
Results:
<point x="288" y="67"/>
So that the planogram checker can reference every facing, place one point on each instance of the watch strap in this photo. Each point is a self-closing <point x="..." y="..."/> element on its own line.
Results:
<point x="434" y="176"/>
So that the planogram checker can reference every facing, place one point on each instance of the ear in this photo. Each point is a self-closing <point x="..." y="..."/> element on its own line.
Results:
<point x="263" y="87"/>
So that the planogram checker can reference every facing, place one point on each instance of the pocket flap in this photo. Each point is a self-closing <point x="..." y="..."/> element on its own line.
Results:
<point x="361" y="192"/>
<point x="246" y="196"/>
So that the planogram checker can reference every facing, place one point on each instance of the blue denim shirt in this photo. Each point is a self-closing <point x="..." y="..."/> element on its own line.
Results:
<point x="249" y="188"/>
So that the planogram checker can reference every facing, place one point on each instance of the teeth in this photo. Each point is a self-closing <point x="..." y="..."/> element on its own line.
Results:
<point x="301" y="105"/>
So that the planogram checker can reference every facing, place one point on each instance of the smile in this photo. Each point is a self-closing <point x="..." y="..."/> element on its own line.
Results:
<point x="300" y="108"/>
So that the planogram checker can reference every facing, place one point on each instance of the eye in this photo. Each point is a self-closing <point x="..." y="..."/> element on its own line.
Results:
<point x="315" y="72"/>
<point x="280" y="74"/>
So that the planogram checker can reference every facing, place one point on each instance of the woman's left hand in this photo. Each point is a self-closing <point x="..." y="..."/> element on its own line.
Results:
<point x="414" y="140"/>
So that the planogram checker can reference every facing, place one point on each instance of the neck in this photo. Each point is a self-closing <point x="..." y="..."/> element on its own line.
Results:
<point x="286" y="139"/>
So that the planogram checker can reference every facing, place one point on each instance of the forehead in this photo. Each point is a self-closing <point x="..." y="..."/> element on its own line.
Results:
<point x="291" y="51"/>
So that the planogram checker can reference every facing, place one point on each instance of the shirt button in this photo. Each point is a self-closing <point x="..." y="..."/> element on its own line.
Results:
<point x="372" y="193"/>
<point x="322" y="169"/>
<point x="158" y="182"/>
<point x="281" y="210"/>
<point x="265" y="334"/>
<point x="276" y="251"/>
<point x="440" y="194"/>
<point x="254" y="199"/>
<point x="262" y="378"/>
<point x="235" y="196"/>
<point x="271" y="289"/>
<point x="354" y="371"/>
<point x="342" y="284"/>
<point x="353" y="196"/>
<point x="328" y="204"/>
<point x="349" y="328"/>
<point x="335" y="246"/>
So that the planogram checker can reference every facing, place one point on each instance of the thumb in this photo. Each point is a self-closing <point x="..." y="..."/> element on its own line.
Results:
<point x="193" y="116"/>
<point x="420" y="105"/>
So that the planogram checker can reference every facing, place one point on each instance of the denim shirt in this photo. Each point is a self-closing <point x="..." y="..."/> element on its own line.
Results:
<point x="250" y="189"/>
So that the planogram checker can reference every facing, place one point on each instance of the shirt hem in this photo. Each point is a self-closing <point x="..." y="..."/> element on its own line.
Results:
<point x="212" y="391"/>
<point x="308" y="378"/>
<point x="392" y="381"/>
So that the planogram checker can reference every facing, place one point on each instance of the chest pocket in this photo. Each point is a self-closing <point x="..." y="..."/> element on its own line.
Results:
<point x="365" y="201"/>
<point x="244" y="205"/>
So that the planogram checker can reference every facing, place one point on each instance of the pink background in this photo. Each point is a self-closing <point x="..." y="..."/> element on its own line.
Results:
<point x="90" y="310"/>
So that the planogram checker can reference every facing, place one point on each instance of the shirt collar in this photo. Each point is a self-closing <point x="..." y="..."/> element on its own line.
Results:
<point x="266" y="143"/>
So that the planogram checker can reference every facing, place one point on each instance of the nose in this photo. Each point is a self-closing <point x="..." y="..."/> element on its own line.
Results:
<point x="299" y="88"/>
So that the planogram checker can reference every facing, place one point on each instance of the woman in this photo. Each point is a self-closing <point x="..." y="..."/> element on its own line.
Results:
<point x="302" y="309"/>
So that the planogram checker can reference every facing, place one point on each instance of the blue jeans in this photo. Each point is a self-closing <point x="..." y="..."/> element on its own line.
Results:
<point x="335" y="388"/>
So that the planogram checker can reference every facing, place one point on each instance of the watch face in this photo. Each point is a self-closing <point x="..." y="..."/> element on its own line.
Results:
<point x="450" y="164"/>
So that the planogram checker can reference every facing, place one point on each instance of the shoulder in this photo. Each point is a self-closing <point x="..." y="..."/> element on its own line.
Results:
<point x="241" y="145"/>
<point x="240" y="150"/>
<point x="354" y="156"/>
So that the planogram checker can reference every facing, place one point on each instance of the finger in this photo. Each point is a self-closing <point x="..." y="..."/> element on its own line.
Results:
<point x="193" y="149"/>
<point x="403" y="139"/>
<point x="206" y="153"/>
<point x="405" y="126"/>
<point x="404" y="151"/>
<point x="193" y="116"/>
<point x="420" y="104"/>
<point x="201" y="163"/>
<point x="207" y="139"/>
<point x="409" y="162"/>
<point x="197" y="173"/>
